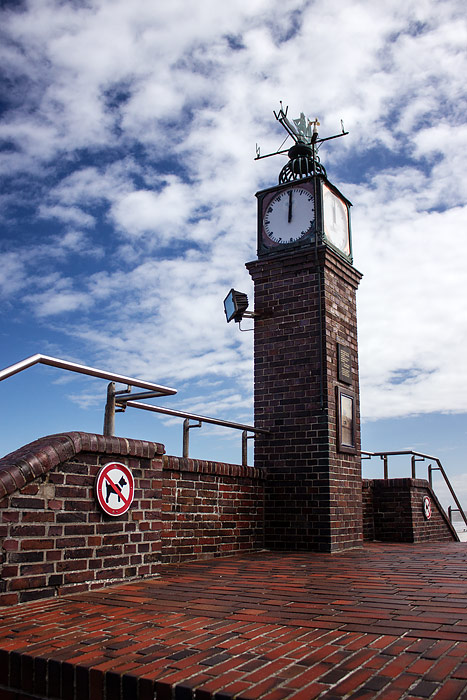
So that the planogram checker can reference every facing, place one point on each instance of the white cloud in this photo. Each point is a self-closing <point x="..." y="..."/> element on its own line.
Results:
<point x="59" y="298"/>
<point x="69" y="215"/>
<point x="142" y="122"/>
<point x="164" y="213"/>
<point x="12" y="273"/>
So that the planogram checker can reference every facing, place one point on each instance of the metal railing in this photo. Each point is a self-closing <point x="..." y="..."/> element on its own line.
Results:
<point x="118" y="401"/>
<point x="452" y="510"/>
<point x="156" y="389"/>
<point x="417" y="457"/>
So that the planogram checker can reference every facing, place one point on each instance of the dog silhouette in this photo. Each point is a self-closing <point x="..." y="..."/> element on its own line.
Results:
<point x="109" y="490"/>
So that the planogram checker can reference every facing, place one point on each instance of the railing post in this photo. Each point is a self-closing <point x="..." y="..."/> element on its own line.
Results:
<point x="453" y="494"/>
<point x="186" y="436"/>
<point x="450" y="514"/>
<point x="385" y="466"/>
<point x="430" y="475"/>
<point x="109" y="417"/>
<point x="244" y="448"/>
<point x="414" y="469"/>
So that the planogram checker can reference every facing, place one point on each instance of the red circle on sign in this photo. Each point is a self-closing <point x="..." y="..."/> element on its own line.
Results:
<point x="115" y="488"/>
<point x="427" y="507"/>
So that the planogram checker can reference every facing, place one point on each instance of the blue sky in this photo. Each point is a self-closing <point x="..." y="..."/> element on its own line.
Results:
<point x="127" y="206"/>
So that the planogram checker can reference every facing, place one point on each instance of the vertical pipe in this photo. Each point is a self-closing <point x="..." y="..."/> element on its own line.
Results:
<point x="244" y="448"/>
<point x="109" y="416"/>
<point x="430" y="475"/>
<point x="414" y="467"/>
<point x="450" y="514"/>
<point x="317" y="193"/>
<point x="186" y="438"/>
<point x="385" y="463"/>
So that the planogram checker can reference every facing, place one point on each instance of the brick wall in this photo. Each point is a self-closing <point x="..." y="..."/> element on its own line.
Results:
<point x="54" y="538"/>
<point x="210" y="509"/>
<point x="368" y="515"/>
<point x="305" y="301"/>
<point x="393" y="512"/>
<point x="340" y="309"/>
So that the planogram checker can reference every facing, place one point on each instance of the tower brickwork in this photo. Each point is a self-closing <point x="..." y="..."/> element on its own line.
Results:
<point x="305" y="302"/>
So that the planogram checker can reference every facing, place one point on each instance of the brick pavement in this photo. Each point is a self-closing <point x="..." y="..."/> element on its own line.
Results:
<point x="387" y="621"/>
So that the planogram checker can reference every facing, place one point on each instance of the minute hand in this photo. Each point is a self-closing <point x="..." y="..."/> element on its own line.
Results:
<point x="289" y="219"/>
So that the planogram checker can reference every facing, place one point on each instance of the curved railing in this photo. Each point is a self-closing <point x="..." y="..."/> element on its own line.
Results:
<point x="156" y="389"/>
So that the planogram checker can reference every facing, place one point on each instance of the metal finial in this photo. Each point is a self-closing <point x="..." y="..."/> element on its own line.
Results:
<point x="304" y="160"/>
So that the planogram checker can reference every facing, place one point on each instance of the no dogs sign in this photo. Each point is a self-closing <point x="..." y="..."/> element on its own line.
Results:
<point x="427" y="510"/>
<point x="115" y="488"/>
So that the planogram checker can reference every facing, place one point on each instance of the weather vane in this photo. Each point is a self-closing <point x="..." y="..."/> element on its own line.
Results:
<point x="304" y="160"/>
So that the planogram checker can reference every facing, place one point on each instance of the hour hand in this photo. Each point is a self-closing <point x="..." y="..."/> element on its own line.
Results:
<point x="289" y="219"/>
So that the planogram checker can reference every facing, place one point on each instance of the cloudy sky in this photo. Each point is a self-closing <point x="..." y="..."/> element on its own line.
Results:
<point x="127" y="206"/>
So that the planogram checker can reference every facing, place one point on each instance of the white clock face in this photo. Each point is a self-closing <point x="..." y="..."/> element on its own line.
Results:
<point x="336" y="221"/>
<point x="290" y="215"/>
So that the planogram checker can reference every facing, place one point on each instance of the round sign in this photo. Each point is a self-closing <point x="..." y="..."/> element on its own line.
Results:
<point x="115" y="488"/>
<point x="427" y="507"/>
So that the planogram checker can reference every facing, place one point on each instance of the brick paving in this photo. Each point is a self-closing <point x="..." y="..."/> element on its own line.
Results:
<point x="386" y="621"/>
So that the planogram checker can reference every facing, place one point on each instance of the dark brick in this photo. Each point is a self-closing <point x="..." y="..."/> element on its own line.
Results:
<point x="15" y="669"/>
<point x="53" y="678"/>
<point x="4" y="667"/>
<point x="40" y="675"/>
<point x="129" y="687"/>
<point x="82" y="682"/>
<point x="68" y="681"/>
<point x="112" y="686"/>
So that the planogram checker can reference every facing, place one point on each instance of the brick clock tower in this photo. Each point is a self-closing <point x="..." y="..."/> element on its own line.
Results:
<point x="306" y="356"/>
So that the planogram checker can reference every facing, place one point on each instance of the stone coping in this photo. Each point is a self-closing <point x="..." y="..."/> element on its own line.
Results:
<point x="38" y="457"/>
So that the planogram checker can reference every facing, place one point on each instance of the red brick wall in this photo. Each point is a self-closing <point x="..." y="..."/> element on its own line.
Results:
<point x="210" y="509"/>
<point x="393" y="512"/>
<point x="340" y="285"/>
<point x="436" y="529"/>
<point x="54" y="538"/>
<point x="313" y="492"/>
<point x="368" y="515"/>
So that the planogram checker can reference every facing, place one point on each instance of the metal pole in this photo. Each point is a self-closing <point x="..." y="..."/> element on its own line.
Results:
<point x="244" y="448"/>
<point x="186" y="435"/>
<point x="385" y="463"/>
<point x="448" y="484"/>
<point x="413" y="467"/>
<point x="450" y="514"/>
<point x="109" y="417"/>
<point x="186" y="438"/>
<point x="83" y="369"/>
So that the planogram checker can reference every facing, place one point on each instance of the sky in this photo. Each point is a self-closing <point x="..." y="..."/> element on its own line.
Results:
<point x="127" y="207"/>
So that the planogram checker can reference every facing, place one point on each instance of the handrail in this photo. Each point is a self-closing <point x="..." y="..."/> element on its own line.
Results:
<point x="192" y="416"/>
<point x="418" y="457"/>
<point x="124" y="401"/>
<point x="154" y="389"/>
<point x="83" y="369"/>
<point x="452" y="510"/>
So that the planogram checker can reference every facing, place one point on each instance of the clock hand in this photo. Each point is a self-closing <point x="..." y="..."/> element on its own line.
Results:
<point x="290" y="207"/>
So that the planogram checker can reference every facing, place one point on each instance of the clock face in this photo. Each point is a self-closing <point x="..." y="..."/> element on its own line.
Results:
<point x="289" y="216"/>
<point x="336" y="220"/>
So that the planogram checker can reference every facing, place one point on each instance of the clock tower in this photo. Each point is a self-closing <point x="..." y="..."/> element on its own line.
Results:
<point x="306" y="355"/>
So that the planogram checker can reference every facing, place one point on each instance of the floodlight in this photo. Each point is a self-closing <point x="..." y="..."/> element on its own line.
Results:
<point x="235" y="305"/>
